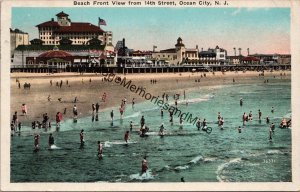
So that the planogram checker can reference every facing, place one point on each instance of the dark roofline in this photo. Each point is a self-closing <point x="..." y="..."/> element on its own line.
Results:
<point x="60" y="47"/>
<point x="16" y="30"/>
<point x="61" y="14"/>
<point x="172" y="50"/>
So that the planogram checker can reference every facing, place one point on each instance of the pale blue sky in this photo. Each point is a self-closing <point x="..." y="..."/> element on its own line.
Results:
<point x="263" y="30"/>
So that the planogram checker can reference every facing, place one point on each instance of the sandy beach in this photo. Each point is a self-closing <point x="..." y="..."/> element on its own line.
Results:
<point x="89" y="88"/>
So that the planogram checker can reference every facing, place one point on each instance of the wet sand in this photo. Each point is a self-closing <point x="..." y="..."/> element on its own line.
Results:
<point x="91" y="92"/>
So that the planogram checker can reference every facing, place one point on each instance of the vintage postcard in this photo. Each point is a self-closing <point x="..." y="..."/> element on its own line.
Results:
<point x="150" y="95"/>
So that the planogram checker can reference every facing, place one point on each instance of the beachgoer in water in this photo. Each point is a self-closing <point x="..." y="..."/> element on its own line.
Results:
<point x="221" y="123"/>
<point x="204" y="126"/>
<point x="272" y="110"/>
<point x="272" y="127"/>
<point x="219" y="116"/>
<point x="250" y="116"/>
<point x="198" y="124"/>
<point x="270" y="134"/>
<point x="131" y="125"/>
<point x="15" y="119"/>
<point x="126" y="136"/>
<point x="161" y="129"/>
<point x="142" y="121"/>
<point x="241" y="102"/>
<point x="240" y="129"/>
<point x="121" y="109"/>
<point x="100" y="150"/>
<point x="259" y="114"/>
<point x="161" y="112"/>
<point x="267" y="120"/>
<point x="51" y="140"/>
<point x="182" y="179"/>
<point x="144" y="165"/>
<point x="112" y="115"/>
<point x="81" y="137"/>
<point x="36" y="141"/>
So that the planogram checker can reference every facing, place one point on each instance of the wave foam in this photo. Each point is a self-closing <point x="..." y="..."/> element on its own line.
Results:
<point x="224" y="165"/>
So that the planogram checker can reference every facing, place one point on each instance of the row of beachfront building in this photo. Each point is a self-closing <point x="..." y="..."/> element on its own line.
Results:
<point x="63" y="43"/>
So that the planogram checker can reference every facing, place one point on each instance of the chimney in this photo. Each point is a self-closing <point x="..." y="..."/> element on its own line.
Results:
<point x="123" y="42"/>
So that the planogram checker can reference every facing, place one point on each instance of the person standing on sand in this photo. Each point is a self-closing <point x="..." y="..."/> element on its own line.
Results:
<point x="93" y="108"/>
<point x="104" y="97"/>
<point x="24" y="109"/>
<point x="75" y="99"/>
<point x="97" y="107"/>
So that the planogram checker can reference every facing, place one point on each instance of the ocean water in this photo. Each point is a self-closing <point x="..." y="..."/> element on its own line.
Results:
<point x="222" y="156"/>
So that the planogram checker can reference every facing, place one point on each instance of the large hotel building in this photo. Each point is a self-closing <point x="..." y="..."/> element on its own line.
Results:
<point x="51" y="32"/>
<point x="63" y="43"/>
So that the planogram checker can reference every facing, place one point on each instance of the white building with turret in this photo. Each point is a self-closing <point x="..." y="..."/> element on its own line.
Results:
<point x="178" y="55"/>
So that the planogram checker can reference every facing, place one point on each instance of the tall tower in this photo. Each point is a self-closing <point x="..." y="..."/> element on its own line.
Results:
<point x="180" y="50"/>
<point x="63" y="19"/>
